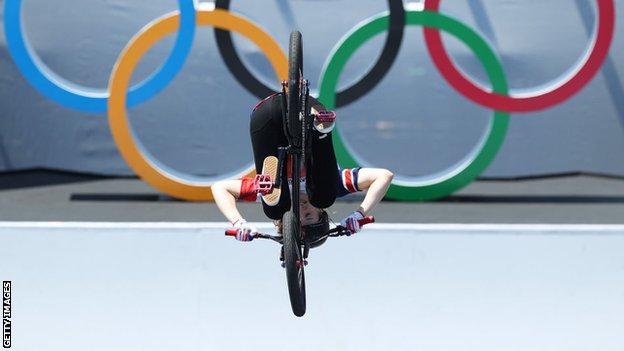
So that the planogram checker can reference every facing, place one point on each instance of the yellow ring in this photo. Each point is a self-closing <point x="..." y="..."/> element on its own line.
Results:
<point x="148" y="170"/>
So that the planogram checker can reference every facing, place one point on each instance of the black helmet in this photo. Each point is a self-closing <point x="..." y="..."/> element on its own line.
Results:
<point x="313" y="233"/>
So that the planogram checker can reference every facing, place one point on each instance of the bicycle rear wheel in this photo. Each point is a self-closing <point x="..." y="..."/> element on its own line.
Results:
<point x="295" y="77"/>
<point x="294" y="265"/>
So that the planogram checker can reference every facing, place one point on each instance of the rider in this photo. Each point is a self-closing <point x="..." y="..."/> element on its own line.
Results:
<point x="319" y="188"/>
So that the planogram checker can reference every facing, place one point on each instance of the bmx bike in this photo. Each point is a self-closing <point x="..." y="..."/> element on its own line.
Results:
<point x="298" y="124"/>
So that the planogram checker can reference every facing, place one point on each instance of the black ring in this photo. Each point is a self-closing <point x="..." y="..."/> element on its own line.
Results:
<point x="366" y="84"/>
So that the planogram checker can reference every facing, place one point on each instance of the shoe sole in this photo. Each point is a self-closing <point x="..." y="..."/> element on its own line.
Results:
<point x="269" y="167"/>
<point x="324" y="127"/>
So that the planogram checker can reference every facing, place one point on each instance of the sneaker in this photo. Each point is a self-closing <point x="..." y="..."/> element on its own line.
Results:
<point x="324" y="121"/>
<point x="269" y="167"/>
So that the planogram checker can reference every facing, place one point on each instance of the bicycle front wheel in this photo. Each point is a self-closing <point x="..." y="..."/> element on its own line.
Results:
<point x="294" y="264"/>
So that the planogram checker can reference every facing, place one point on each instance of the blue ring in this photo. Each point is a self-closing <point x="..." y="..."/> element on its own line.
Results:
<point x="81" y="98"/>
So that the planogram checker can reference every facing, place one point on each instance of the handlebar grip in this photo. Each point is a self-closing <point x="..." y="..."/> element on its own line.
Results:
<point x="366" y="220"/>
<point x="231" y="232"/>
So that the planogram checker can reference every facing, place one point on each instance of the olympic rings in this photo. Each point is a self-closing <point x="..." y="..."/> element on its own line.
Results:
<point x="138" y="158"/>
<point x="367" y="82"/>
<point x="539" y="100"/>
<point x="86" y="99"/>
<point x="190" y="187"/>
<point x="445" y="182"/>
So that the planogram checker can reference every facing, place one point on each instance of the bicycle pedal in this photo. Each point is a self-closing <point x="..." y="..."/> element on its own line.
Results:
<point x="325" y="116"/>
<point x="263" y="184"/>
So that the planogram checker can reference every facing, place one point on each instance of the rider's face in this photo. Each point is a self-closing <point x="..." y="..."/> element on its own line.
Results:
<point x="308" y="214"/>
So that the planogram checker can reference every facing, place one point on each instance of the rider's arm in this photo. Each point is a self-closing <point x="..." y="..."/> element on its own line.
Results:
<point x="376" y="181"/>
<point x="225" y="193"/>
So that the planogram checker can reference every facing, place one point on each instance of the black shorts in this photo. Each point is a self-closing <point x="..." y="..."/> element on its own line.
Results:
<point x="267" y="135"/>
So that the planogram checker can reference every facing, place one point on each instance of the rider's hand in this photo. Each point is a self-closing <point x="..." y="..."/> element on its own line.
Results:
<point x="244" y="231"/>
<point x="351" y="222"/>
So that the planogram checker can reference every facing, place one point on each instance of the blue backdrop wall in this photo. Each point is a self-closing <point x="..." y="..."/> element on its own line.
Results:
<point x="412" y="122"/>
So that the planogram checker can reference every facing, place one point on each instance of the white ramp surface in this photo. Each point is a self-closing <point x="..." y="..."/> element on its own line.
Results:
<point x="133" y="287"/>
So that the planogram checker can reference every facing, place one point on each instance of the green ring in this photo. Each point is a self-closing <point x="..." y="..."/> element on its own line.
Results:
<point x="466" y="170"/>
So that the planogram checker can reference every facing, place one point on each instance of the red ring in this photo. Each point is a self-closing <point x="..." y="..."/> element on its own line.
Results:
<point x="600" y="49"/>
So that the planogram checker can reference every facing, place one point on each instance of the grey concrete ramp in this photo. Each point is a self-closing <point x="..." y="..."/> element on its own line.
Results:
<point x="158" y="286"/>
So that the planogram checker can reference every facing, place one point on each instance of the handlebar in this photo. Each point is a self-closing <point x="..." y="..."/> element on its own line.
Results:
<point x="364" y="221"/>
<point x="232" y="232"/>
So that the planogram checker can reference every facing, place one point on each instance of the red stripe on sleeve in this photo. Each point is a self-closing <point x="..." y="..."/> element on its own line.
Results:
<point x="348" y="181"/>
<point x="248" y="190"/>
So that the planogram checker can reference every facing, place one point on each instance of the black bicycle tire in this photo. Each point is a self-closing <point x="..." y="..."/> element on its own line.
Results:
<point x="292" y="255"/>
<point x="295" y="74"/>
<point x="344" y="97"/>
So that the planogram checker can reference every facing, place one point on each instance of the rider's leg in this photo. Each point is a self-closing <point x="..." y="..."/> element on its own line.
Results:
<point x="322" y="167"/>
<point x="322" y="171"/>
<point x="266" y="137"/>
